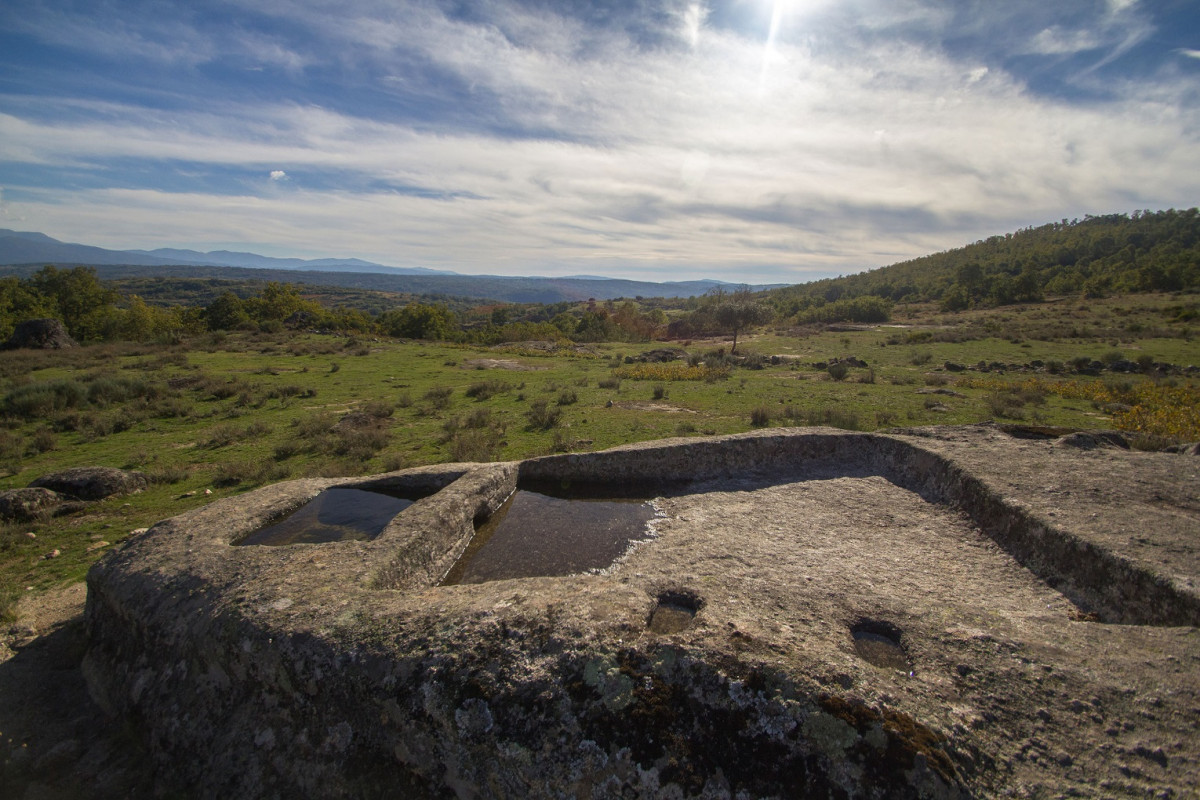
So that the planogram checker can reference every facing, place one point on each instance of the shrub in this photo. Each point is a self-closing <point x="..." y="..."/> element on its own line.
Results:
<point x="660" y="391"/>
<point x="541" y="416"/>
<point x="1149" y="442"/>
<point x="1112" y="357"/>
<point x="481" y="418"/>
<point x="105" y="390"/>
<point x="610" y="383"/>
<point x="287" y="449"/>
<point x="567" y="397"/>
<point x="170" y="408"/>
<point x="753" y="360"/>
<point x="1005" y="404"/>
<point x="98" y="428"/>
<point x="360" y="442"/>
<point x="256" y="429"/>
<point x="835" y="418"/>
<point x="920" y="358"/>
<point x="379" y="409"/>
<point x="314" y="425"/>
<point x="485" y="390"/>
<point x="563" y="441"/>
<point x="43" y="440"/>
<point x="438" y="397"/>
<point x="475" y="444"/>
<point x="394" y="461"/>
<point x="40" y="400"/>
<point x="221" y="436"/>
<point x="760" y="417"/>
<point x="12" y="447"/>
<point x="838" y="371"/>
<point x="283" y="393"/>
<point x="168" y="473"/>
<point x="251" y="472"/>
<point x="220" y="389"/>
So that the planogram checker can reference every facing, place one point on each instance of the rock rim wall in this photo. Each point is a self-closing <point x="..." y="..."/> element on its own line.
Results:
<point x="1044" y="597"/>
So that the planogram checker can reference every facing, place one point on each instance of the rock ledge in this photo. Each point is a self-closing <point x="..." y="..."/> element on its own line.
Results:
<point x="948" y="612"/>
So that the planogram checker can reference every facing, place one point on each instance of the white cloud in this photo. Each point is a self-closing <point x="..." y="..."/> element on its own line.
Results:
<point x="633" y="157"/>
<point x="1189" y="53"/>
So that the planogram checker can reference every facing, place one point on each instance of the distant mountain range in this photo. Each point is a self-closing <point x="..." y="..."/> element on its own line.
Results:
<point x="20" y="247"/>
<point x="25" y="252"/>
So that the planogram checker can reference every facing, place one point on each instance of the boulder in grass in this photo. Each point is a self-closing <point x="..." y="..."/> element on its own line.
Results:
<point x="40" y="334"/>
<point x="93" y="483"/>
<point x="23" y="505"/>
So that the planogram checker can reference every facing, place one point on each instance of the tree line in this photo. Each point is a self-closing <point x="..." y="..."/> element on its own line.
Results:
<point x="1141" y="252"/>
<point x="1145" y="251"/>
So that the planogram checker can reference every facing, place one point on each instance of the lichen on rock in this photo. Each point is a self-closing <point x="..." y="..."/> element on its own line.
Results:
<point x="345" y="669"/>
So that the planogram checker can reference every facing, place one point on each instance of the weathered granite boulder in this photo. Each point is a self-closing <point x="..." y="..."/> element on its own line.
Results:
<point x="657" y="356"/>
<point x="942" y="612"/>
<point x="23" y="505"/>
<point x="1090" y="440"/>
<point x="93" y="483"/>
<point x="40" y="334"/>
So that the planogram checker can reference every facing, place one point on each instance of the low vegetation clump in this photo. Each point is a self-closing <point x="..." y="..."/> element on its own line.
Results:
<point x="671" y="371"/>
<point x="1142" y="406"/>
<point x="541" y="416"/>
<point x="486" y="390"/>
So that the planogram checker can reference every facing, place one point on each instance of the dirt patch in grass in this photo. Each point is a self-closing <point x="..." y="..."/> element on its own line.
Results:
<point x="499" y="363"/>
<point x="663" y="407"/>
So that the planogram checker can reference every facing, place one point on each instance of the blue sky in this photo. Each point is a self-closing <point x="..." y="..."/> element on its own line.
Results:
<point x="749" y="140"/>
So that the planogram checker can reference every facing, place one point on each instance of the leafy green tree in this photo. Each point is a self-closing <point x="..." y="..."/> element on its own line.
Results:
<point x="78" y="297"/>
<point x="738" y="311"/>
<point x="226" y="313"/>
<point x="955" y="299"/>
<point x="278" y="302"/>
<point x="419" y="321"/>
<point x="19" y="302"/>
<point x="595" y="326"/>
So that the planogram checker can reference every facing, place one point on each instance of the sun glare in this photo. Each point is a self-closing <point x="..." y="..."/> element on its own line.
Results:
<point x="778" y="9"/>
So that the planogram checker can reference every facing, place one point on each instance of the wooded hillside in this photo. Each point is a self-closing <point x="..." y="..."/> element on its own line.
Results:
<point x="1145" y="251"/>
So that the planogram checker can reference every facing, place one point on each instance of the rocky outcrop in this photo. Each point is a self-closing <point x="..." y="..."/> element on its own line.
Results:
<point x="813" y="613"/>
<point x="40" y="334"/>
<point x="658" y="356"/>
<point x="93" y="483"/>
<point x="23" y="505"/>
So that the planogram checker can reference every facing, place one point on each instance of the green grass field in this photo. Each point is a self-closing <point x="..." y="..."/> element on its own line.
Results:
<point x="222" y="414"/>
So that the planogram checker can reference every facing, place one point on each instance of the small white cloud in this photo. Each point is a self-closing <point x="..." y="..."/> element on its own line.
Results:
<point x="278" y="175"/>
<point x="1189" y="53"/>
<point x="977" y="74"/>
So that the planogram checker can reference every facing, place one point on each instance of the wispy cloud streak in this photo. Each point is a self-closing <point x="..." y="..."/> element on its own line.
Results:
<point x="774" y="141"/>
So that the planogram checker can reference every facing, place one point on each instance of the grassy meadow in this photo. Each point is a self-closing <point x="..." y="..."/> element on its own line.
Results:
<point x="223" y="413"/>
